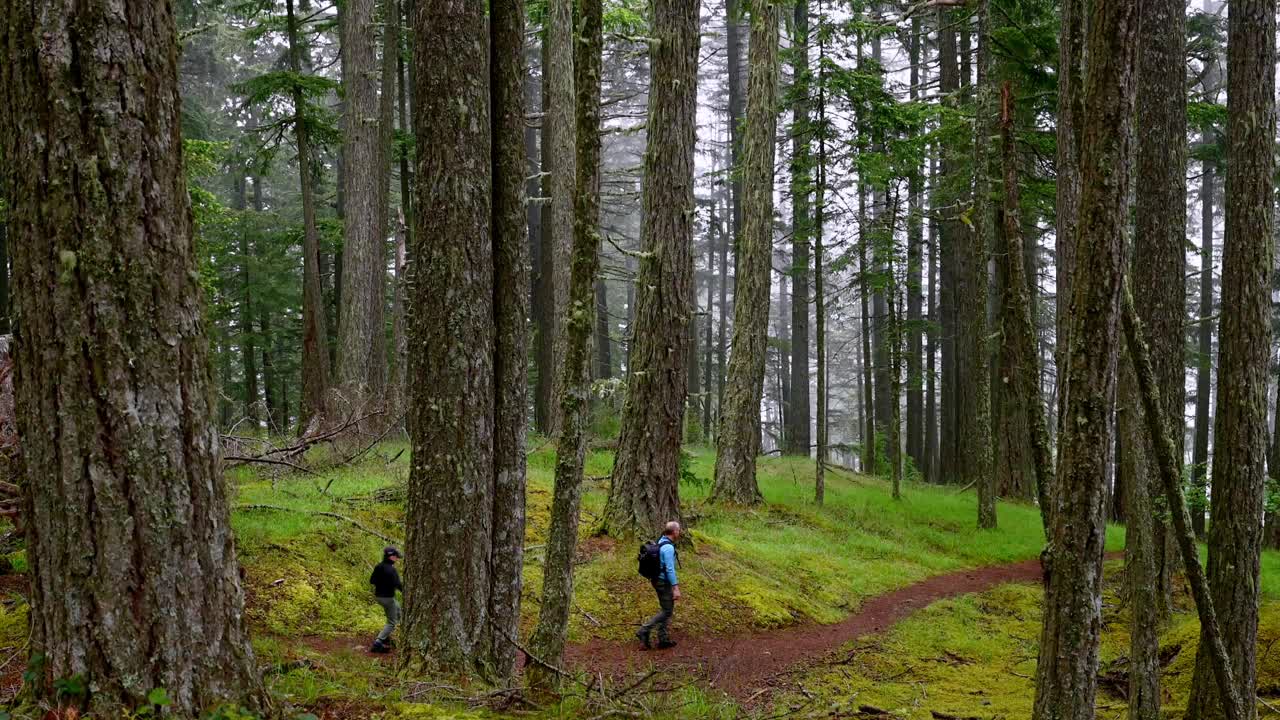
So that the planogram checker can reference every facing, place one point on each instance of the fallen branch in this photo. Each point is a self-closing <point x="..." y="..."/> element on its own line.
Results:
<point x="528" y="654"/>
<point x="239" y="460"/>
<point x="322" y="513"/>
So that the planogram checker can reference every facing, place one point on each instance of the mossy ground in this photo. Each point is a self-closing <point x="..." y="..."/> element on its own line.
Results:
<point x="975" y="656"/>
<point x="784" y="563"/>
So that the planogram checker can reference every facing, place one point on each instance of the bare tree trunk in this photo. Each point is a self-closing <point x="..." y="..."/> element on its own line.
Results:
<point x="932" y="470"/>
<point x="507" y="73"/>
<point x="248" y="344"/>
<point x="549" y="636"/>
<point x="645" y="492"/>
<point x="366" y="177"/>
<point x="1244" y="349"/>
<point x="465" y="511"/>
<point x="1204" y="354"/>
<point x="1066" y="677"/>
<point x="717" y="238"/>
<point x="315" y="338"/>
<point x="819" y="281"/>
<point x="603" y="341"/>
<point x="134" y="581"/>
<point x="738" y="442"/>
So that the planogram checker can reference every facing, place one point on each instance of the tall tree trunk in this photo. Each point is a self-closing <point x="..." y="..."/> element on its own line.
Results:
<point x="722" y="331"/>
<point x="549" y="636"/>
<point x="134" y="581"/>
<point x="716" y="239"/>
<point x="868" y="425"/>
<point x="819" y="280"/>
<point x="603" y="340"/>
<point x="248" y="345"/>
<point x="276" y="419"/>
<point x="799" y="441"/>
<point x="646" y="491"/>
<point x="1070" y="114"/>
<point x="973" y="382"/>
<point x="559" y="137"/>
<point x="315" y="338"/>
<point x="544" y="259"/>
<point x="1171" y="482"/>
<point x="1244" y="349"/>
<point x="915" y="287"/>
<point x="734" y="29"/>
<point x="738" y="442"/>
<point x="932" y="470"/>
<point x="1159" y="240"/>
<point x="1020" y="363"/>
<point x="1204" y="354"/>
<point x="366" y="136"/>
<point x="1066" y="677"/>
<point x="466" y="417"/>
<point x="950" y="229"/>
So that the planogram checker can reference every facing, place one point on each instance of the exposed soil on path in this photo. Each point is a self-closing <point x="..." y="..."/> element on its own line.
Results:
<point x="740" y="665"/>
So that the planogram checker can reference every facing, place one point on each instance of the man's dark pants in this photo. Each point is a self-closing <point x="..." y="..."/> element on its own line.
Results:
<point x="667" y="603"/>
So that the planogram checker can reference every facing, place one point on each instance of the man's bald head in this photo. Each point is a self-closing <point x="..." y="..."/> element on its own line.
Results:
<point x="672" y="530"/>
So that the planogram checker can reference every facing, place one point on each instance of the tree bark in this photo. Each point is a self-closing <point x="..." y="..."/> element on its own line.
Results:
<point x="507" y="73"/>
<point x="973" y="381"/>
<point x="1204" y="354"/>
<point x="560" y="139"/>
<point x="315" y="337"/>
<point x="367" y="121"/>
<point x="1020" y="362"/>
<point x="1066" y="678"/>
<point x="799" y="440"/>
<point x="819" y="281"/>
<point x="248" y="344"/>
<point x="915" y="287"/>
<point x="738" y="442"/>
<point x="134" y="582"/>
<point x="1244" y="348"/>
<point x="468" y="299"/>
<point x="950" y="229"/>
<point x="1158" y="246"/>
<point x="603" y="340"/>
<point x="645" y="492"/>
<point x="1070" y="112"/>
<point x="549" y="636"/>
<point x="1168" y="462"/>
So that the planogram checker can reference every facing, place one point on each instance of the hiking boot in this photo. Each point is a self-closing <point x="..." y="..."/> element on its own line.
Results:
<point x="380" y="647"/>
<point x="643" y="637"/>
<point x="666" y="644"/>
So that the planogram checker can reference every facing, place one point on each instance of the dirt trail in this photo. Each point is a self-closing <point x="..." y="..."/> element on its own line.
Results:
<point x="739" y="664"/>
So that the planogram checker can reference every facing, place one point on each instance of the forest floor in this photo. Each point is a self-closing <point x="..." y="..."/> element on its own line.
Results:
<point x="864" y="605"/>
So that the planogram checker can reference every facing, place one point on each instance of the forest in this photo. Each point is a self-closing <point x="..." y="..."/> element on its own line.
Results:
<point x="930" y="342"/>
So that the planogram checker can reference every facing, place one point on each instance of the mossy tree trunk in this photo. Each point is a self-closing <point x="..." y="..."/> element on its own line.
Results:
<point x="1244" y="348"/>
<point x="738" y="442"/>
<point x="1159" y="253"/>
<point x="646" y="477"/>
<point x="467" y="300"/>
<point x="1070" y="98"/>
<point x="1066" y="676"/>
<point x="549" y="636"/>
<point x="951" y="229"/>
<point x="799" y="440"/>
<point x="1019" y="359"/>
<point x="973" y="379"/>
<point x="134" y="580"/>
<point x="1167" y="462"/>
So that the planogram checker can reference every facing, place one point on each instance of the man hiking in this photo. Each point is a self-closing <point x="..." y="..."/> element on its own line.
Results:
<point x="386" y="581"/>
<point x="658" y="562"/>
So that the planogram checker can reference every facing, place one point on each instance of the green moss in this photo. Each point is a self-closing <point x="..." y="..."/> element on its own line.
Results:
<point x="13" y="624"/>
